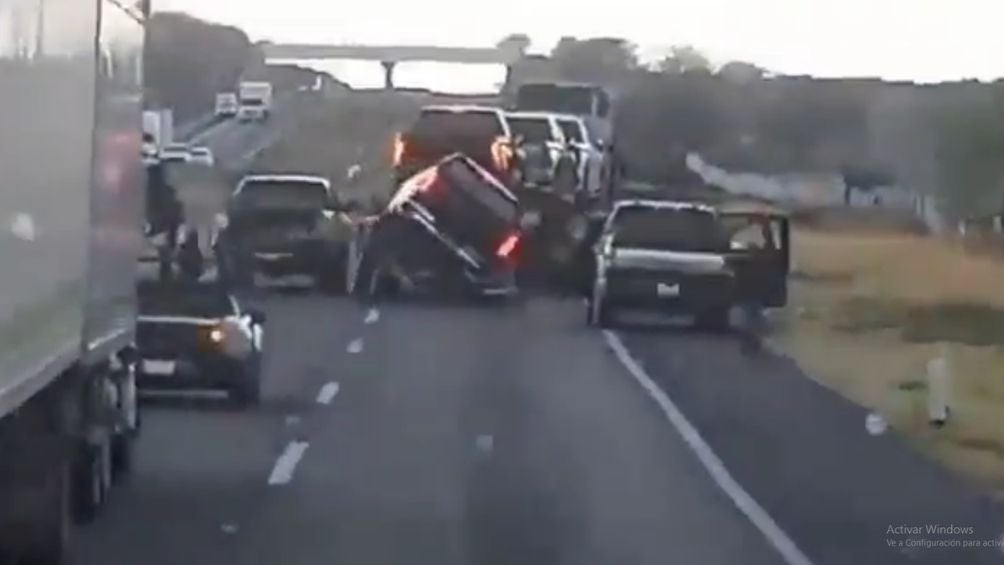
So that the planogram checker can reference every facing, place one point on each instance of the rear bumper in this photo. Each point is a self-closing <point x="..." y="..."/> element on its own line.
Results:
<point x="668" y="292"/>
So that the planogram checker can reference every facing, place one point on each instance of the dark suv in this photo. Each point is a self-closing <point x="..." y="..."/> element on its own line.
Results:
<point x="282" y="225"/>
<point x="452" y="227"/>
<point x="480" y="132"/>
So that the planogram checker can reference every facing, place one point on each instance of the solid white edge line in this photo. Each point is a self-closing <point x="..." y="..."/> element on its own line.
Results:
<point x="282" y="472"/>
<point x="746" y="504"/>
<point x="327" y="393"/>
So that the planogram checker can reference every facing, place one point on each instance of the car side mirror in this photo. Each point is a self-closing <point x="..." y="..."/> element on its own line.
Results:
<point x="257" y="317"/>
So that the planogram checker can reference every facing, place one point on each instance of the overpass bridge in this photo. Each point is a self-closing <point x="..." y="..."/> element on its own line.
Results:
<point x="390" y="55"/>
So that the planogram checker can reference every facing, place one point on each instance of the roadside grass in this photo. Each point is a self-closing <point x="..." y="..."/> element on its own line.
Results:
<point x="870" y="309"/>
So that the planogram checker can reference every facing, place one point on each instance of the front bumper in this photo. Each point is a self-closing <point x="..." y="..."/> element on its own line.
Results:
<point x="302" y="258"/>
<point x="178" y="371"/>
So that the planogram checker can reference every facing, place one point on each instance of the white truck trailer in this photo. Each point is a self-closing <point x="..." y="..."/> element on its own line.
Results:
<point x="255" y="98"/>
<point x="71" y="193"/>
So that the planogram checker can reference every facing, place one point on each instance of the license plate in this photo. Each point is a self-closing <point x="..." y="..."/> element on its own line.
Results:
<point x="154" y="367"/>
<point x="664" y="290"/>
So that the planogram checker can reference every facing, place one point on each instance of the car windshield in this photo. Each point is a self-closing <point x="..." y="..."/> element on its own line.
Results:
<point x="568" y="99"/>
<point x="533" y="130"/>
<point x="192" y="300"/>
<point x="457" y="125"/>
<point x="281" y="194"/>
<point x="669" y="229"/>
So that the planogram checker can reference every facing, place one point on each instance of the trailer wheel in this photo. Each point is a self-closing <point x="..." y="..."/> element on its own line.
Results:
<point x="122" y="456"/>
<point x="88" y="483"/>
<point x="47" y="543"/>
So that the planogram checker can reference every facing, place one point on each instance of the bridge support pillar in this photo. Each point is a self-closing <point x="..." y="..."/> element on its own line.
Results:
<point x="388" y="74"/>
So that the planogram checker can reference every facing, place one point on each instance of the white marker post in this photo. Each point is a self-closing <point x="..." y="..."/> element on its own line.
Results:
<point x="938" y="389"/>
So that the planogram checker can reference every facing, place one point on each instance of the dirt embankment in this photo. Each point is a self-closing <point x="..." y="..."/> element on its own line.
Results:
<point x="871" y="306"/>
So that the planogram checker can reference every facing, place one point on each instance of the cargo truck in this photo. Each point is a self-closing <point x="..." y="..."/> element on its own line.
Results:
<point x="69" y="245"/>
<point x="255" y="99"/>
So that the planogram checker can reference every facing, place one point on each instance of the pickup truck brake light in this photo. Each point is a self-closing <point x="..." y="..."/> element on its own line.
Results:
<point x="508" y="245"/>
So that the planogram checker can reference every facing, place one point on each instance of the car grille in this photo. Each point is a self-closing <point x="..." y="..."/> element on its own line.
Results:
<point x="167" y="340"/>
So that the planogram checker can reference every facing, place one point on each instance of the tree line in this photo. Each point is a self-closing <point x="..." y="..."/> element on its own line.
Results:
<point x="188" y="60"/>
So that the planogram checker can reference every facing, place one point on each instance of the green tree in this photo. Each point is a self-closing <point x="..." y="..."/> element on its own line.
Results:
<point x="595" y="60"/>
<point x="970" y="142"/>
<point x="684" y="59"/>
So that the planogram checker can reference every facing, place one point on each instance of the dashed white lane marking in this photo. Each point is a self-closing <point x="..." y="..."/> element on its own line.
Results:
<point x="229" y="528"/>
<point x="750" y="508"/>
<point x="372" y="317"/>
<point x="327" y="393"/>
<point x="355" y="346"/>
<point x="286" y="464"/>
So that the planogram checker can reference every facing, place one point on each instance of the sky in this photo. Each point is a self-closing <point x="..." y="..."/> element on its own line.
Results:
<point x="923" y="40"/>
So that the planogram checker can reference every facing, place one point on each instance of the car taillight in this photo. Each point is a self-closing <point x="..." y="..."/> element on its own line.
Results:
<point x="508" y="246"/>
<point x="399" y="149"/>
<point x="427" y="180"/>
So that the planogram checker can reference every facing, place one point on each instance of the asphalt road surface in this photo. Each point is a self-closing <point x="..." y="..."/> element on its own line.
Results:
<point x="513" y="434"/>
<point x="421" y="433"/>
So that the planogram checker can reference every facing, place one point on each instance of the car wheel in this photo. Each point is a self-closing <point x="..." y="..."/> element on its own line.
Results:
<point x="331" y="278"/>
<point x="246" y="391"/>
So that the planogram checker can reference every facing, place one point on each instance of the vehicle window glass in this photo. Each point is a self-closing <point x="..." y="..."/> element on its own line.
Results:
<point x="452" y="125"/>
<point x="668" y="229"/>
<point x="533" y="130"/>
<point x="571" y="130"/>
<point x="275" y="194"/>
<point x="195" y="300"/>
<point x="555" y="98"/>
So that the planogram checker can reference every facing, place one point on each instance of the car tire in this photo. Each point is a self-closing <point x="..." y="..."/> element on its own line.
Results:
<point x="331" y="278"/>
<point x="716" y="320"/>
<point x="246" y="392"/>
<point x="122" y="455"/>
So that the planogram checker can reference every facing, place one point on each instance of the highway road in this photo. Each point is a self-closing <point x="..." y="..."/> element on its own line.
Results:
<point x="443" y="434"/>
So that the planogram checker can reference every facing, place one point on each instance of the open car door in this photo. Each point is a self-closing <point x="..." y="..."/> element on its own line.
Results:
<point x="760" y="254"/>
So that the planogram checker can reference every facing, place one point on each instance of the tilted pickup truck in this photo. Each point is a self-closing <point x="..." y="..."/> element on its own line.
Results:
<point x="452" y="228"/>
<point x="686" y="258"/>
